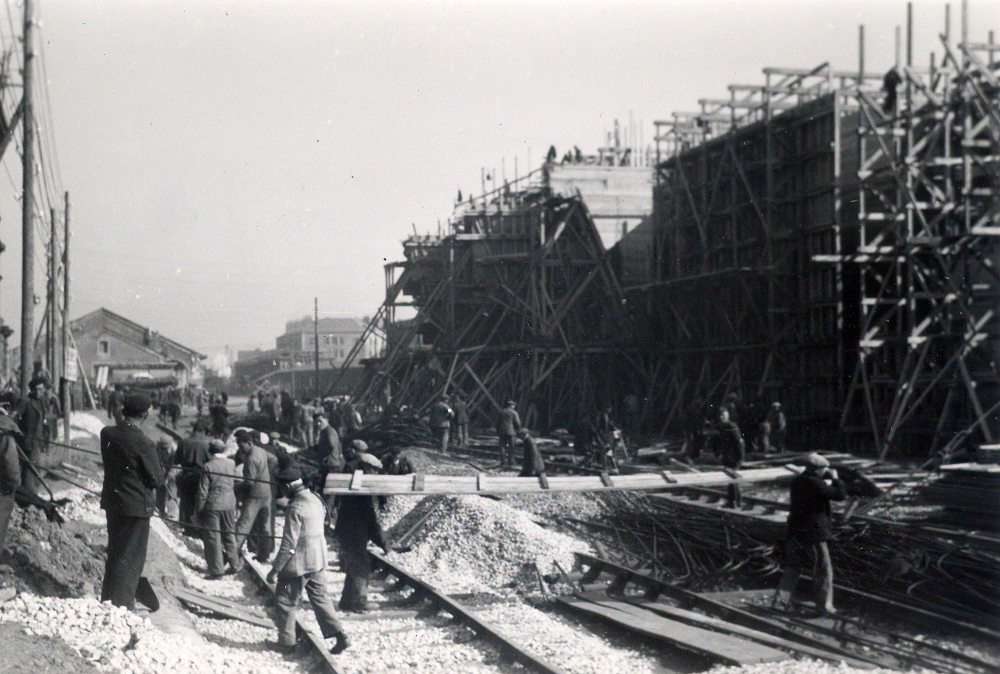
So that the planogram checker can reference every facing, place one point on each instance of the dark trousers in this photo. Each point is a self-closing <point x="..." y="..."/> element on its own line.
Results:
<point x="261" y="539"/>
<point x="357" y="570"/>
<point x="187" y="493"/>
<point x="127" y="541"/>
<point x="506" y="450"/>
<point x="288" y="593"/>
<point x="441" y="433"/>
<point x="6" y="508"/>
<point x="254" y="510"/>
<point x="219" y="535"/>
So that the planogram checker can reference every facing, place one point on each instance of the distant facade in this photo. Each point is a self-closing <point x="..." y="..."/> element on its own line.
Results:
<point x="295" y="351"/>
<point x="114" y="350"/>
<point x="337" y="336"/>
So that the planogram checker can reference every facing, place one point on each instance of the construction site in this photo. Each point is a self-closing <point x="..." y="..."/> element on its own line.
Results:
<point x="826" y="239"/>
<point x="796" y="283"/>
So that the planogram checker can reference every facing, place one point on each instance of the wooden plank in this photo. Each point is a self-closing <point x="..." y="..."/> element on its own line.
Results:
<point x="340" y="483"/>
<point x="226" y="602"/>
<point x="543" y="480"/>
<point x="702" y="620"/>
<point x="356" y="480"/>
<point x="668" y="477"/>
<point x="229" y="611"/>
<point x="719" y="647"/>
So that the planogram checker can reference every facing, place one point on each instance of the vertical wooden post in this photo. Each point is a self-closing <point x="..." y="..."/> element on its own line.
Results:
<point x="28" y="204"/>
<point x="67" y="400"/>
<point x="50" y="337"/>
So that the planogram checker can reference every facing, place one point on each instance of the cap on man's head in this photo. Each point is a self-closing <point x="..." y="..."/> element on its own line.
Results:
<point x="776" y="404"/>
<point x="509" y="402"/>
<point x="216" y="446"/>
<point x="815" y="460"/>
<point x="360" y="445"/>
<point x="289" y="475"/>
<point x="135" y="405"/>
<point x="38" y="379"/>
<point x="524" y="431"/>
<point x="370" y="460"/>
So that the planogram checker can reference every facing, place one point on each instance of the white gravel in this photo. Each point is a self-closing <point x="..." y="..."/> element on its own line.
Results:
<point x="472" y="544"/>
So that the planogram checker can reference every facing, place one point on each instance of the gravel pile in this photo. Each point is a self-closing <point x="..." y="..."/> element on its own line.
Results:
<point x="472" y="544"/>
<point x="115" y="640"/>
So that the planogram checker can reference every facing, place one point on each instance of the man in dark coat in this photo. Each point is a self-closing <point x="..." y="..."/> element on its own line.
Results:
<point x="328" y="444"/>
<point x="357" y="523"/>
<point x="396" y="463"/>
<point x="10" y="472"/>
<point x="730" y="448"/>
<point x="132" y="474"/>
<point x="533" y="465"/>
<point x="441" y="416"/>
<point x="810" y="528"/>
<point x="461" y="420"/>
<point x="32" y="413"/>
<point x="508" y="424"/>
<point x="192" y="453"/>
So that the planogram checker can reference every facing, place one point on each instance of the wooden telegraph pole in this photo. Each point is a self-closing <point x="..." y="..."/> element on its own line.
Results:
<point x="68" y="368"/>
<point x="28" y="204"/>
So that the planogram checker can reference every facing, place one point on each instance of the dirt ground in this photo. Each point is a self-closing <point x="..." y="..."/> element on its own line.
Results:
<point x="22" y="653"/>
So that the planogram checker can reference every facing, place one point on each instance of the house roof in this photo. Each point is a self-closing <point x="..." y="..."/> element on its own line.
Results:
<point x="137" y="327"/>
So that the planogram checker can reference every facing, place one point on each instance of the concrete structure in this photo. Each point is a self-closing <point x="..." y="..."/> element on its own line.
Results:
<point x="114" y="350"/>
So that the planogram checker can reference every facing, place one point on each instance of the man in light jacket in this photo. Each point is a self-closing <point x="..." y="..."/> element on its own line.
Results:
<point x="216" y="508"/>
<point x="301" y="563"/>
<point x="254" y="492"/>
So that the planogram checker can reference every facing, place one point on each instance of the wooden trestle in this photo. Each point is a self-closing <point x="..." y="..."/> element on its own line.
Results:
<point x="420" y="483"/>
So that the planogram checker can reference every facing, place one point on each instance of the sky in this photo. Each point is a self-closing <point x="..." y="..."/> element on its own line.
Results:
<point x="230" y="163"/>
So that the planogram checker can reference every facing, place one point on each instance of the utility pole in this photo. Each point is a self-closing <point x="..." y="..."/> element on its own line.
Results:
<point x="316" y="339"/>
<point x="28" y="203"/>
<point x="50" y="338"/>
<point x="64" y="383"/>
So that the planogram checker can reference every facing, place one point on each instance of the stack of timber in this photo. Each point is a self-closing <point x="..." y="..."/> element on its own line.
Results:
<point x="970" y="494"/>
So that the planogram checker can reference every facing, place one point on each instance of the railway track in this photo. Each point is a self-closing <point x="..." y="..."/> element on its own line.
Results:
<point x="633" y="598"/>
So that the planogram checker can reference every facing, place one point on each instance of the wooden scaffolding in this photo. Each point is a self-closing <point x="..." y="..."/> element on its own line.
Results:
<point x="928" y="375"/>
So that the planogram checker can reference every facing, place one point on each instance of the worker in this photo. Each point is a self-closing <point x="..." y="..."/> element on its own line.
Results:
<point x="10" y="472"/>
<point x="773" y="430"/>
<point x="441" y="416"/>
<point x="115" y="401"/>
<point x="301" y="564"/>
<point x="132" y="474"/>
<point x="357" y="523"/>
<point x="395" y="462"/>
<point x="216" y="508"/>
<point x="219" y="414"/>
<point x="166" y="496"/>
<point x="328" y="444"/>
<point x="460" y="421"/>
<point x="254" y="491"/>
<point x="533" y="465"/>
<point x="810" y="528"/>
<point x="32" y="414"/>
<point x="508" y="424"/>
<point x="191" y="455"/>
<point x="730" y="448"/>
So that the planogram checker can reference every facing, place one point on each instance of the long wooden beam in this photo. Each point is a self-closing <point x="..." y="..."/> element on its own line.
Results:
<point x="420" y="483"/>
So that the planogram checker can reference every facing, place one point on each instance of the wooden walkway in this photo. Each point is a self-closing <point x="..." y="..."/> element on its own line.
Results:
<point x="482" y="483"/>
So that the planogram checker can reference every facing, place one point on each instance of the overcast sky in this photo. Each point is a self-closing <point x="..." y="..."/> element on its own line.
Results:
<point x="228" y="162"/>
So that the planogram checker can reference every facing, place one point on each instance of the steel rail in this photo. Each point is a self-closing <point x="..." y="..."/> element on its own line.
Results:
<point x="316" y="649"/>
<point x="508" y="648"/>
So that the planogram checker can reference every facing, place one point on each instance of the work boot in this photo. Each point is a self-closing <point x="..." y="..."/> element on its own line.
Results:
<point x="342" y="644"/>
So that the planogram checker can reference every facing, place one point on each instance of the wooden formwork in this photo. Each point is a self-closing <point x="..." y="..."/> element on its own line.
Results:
<point x="739" y="306"/>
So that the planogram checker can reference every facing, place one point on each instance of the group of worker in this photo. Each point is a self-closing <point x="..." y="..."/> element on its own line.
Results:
<point x="229" y="502"/>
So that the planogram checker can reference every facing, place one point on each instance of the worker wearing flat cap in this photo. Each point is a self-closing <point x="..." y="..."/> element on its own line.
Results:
<point x="215" y="504"/>
<point x="810" y="528"/>
<point x="357" y="523"/>
<point x="33" y="417"/>
<point x="132" y="473"/>
<point x="301" y="564"/>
